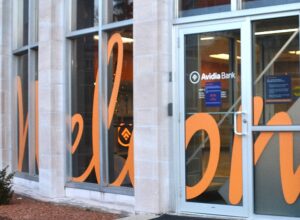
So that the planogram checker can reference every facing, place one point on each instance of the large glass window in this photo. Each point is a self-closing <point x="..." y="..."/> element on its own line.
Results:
<point x="101" y="96"/>
<point x="198" y="7"/>
<point x="26" y="57"/>
<point x="83" y="82"/>
<point x="22" y="90"/>
<point x="276" y="66"/>
<point x="121" y="125"/>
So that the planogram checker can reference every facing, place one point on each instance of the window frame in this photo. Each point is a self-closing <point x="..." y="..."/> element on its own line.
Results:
<point x="102" y="29"/>
<point x="236" y="12"/>
<point x="31" y="49"/>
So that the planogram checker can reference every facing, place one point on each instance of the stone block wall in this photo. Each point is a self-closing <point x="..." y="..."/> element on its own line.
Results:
<point x="152" y="65"/>
<point x="52" y="98"/>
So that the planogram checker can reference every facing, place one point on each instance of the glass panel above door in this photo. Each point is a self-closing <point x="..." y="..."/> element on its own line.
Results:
<point x="276" y="77"/>
<point x="212" y="101"/>
<point x="263" y="3"/>
<point x="198" y="7"/>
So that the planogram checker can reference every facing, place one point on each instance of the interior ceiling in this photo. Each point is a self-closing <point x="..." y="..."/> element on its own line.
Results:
<point x="220" y="45"/>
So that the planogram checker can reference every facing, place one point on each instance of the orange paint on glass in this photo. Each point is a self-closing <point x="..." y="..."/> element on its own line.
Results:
<point x="128" y="166"/>
<point x="236" y="174"/>
<point x="290" y="180"/>
<point x="23" y="127"/>
<point x="120" y="141"/>
<point x="205" y="122"/>
<point x="115" y="39"/>
<point x="95" y="161"/>
<point x="77" y="119"/>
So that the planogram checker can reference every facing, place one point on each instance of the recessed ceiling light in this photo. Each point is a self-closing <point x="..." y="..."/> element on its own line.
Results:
<point x="296" y="52"/>
<point x="222" y="56"/>
<point x="124" y="39"/>
<point x="207" y="38"/>
<point x="127" y="40"/>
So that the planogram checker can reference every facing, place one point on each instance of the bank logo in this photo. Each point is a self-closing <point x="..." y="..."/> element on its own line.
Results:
<point x="126" y="134"/>
<point x="217" y="76"/>
<point x="194" y="77"/>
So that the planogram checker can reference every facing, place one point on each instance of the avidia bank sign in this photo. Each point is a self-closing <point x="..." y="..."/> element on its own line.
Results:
<point x="217" y="76"/>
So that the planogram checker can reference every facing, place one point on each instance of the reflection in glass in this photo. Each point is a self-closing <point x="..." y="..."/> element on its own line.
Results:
<point x="22" y="22"/>
<point x="25" y="22"/>
<point x="23" y="94"/>
<point x="269" y="187"/>
<point x="36" y="21"/>
<point x="276" y="68"/>
<point x="215" y="90"/>
<point x="120" y="131"/>
<point x="83" y="78"/>
<point x="263" y="3"/>
<point x="119" y="10"/>
<point x="84" y="14"/>
<point x="198" y="7"/>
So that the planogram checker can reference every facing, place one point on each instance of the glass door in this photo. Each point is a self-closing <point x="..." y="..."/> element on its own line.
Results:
<point x="276" y="118"/>
<point x="214" y="128"/>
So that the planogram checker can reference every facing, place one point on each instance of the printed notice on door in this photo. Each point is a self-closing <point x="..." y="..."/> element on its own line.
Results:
<point x="278" y="89"/>
<point x="213" y="94"/>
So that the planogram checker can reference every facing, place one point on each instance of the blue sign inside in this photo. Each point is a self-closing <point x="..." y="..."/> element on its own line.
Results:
<point x="278" y="89"/>
<point x="213" y="94"/>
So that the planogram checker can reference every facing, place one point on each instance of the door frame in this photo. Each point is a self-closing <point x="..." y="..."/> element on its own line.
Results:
<point x="196" y="26"/>
<point x="213" y="209"/>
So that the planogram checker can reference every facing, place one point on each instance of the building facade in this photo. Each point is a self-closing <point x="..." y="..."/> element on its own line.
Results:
<point x="185" y="107"/>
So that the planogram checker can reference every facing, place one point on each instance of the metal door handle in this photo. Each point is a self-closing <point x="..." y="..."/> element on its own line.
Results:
<point x="235" y="114"/>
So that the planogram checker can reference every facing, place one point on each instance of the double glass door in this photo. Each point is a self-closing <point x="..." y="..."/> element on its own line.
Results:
<point x="238" y="91"/>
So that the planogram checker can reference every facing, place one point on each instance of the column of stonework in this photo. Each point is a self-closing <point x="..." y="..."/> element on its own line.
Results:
<point x="152" y="64"/>
<point x="6" y="134"/>
<point x="52" y="119"/>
